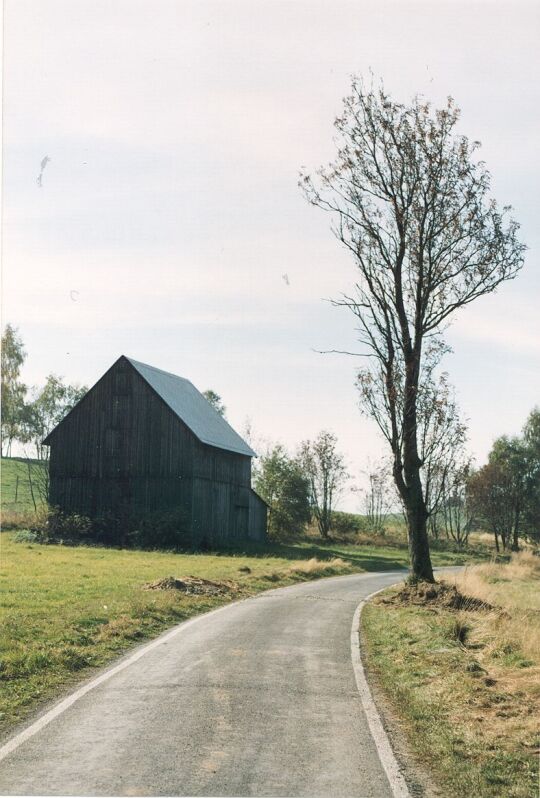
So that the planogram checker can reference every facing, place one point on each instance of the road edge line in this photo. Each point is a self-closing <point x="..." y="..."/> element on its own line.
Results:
<point x="58" y="709"/>
<point x="391" y="767"/>
<point x="43" y="721"/>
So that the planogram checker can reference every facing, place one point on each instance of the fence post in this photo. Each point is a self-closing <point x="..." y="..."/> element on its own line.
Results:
<point x="16" y="488"/>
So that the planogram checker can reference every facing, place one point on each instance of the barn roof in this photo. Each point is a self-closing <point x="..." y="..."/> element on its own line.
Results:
<point x="193" y="409"/>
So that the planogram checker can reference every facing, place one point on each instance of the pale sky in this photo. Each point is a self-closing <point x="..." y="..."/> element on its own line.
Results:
<point x="169" y="210"/>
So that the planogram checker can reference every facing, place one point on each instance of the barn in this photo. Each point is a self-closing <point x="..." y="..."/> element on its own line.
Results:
<point x="142" y="441"/>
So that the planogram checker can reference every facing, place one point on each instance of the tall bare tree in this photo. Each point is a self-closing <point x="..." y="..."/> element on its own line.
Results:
<point x="412" y="205"/>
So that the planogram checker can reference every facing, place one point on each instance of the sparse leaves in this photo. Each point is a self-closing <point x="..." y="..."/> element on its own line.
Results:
<point x="411" y="203"/>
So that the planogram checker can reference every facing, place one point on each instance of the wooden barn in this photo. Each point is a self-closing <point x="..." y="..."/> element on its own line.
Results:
<point x="142" y="441"/>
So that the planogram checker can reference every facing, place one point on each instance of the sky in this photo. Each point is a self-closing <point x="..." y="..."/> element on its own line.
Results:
<point x="151" y="207"/>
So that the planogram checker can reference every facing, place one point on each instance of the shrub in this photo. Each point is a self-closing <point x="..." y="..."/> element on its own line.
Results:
<point x="346" y="523"/>
<point x="50" y="525"/>
<point x="70" y="527"/>
<point x="168" y="529"/>
<point x="165" y="529"/>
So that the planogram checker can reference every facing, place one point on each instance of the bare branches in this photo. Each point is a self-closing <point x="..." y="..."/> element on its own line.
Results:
<point x="411" y="203"/>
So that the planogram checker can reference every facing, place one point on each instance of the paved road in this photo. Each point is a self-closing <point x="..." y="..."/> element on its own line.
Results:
<point x="256" y="700"/>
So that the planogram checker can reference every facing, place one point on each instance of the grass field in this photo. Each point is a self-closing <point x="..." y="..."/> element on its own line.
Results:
<point x="69" y="609"/>
<point x="465" y="683"/>
<point x="19" y="491"/>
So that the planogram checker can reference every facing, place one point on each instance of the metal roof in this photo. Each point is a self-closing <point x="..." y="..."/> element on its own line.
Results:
<point x="193" y="409"/>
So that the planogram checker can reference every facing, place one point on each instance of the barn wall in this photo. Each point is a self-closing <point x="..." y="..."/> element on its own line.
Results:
<point x="257" y="517"/>
<point x="220" y="511"/>
<point x="122" y="449"/>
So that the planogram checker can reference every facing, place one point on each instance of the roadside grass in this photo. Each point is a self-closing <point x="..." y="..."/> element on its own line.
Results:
<point x="68" y="609"/>
<point x="465" y="684"/>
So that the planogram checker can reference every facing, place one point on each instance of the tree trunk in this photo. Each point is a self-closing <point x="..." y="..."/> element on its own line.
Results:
<point x="421" y="568"/>
<point x="515" y="541"/>
<point x="413" y="491"/>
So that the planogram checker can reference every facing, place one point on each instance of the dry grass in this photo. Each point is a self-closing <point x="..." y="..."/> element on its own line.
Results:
<point x="316" y="566"/>
<point x="17" y="519"/>
<point x="464" y="677"/>
<point x="515" y="589"/>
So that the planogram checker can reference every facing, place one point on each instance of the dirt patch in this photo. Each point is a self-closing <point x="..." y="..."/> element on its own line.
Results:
<point x="192" y="585"/>
<point x="439" y="594"/>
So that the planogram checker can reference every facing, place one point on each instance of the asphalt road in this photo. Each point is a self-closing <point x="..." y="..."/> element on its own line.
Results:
<point x="258" y="699"/>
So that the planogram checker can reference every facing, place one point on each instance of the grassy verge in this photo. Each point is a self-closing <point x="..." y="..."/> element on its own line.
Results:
<point x="463" y="675"/>
<point x="67" y="610"/>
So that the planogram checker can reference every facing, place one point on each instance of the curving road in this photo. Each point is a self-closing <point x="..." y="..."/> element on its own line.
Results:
<point x="256" y="699"/>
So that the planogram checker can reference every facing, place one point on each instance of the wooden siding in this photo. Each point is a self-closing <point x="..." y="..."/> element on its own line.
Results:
<point x="258" y="511"/>
<point x="122" y="450"/>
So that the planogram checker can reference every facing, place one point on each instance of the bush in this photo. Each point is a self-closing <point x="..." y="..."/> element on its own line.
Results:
<point x="50" y="525"/>
<point x="70" y="527"/>
<point x="346" y="523"/>
<point x="167" y="529"/>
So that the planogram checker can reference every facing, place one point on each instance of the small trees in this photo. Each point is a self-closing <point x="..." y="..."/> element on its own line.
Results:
<point x="412" y="206"/>
<point x="531" y="508"/>
<point x="510" y="455"/>
<point x="456" y="507"/>
<point x="491" y="493"/>
<point x="30" y="421"/>
<point x="378" y="497"/>
<point x="506" y="491"/>
<point x="281" y="482"/>
<point x="325" y="469"/>
<point x="13" y="390"/>
<point x="47" y="409"/>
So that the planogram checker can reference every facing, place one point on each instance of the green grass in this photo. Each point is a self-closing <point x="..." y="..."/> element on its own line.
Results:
<point x="465" y="685"/>
<point x="69" y="609"/>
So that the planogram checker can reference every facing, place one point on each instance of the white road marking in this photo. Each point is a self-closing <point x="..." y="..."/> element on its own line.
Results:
<point x="57" y="710"/>
<point x="384" y="750"/>
<point x="389" y="762"/>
